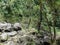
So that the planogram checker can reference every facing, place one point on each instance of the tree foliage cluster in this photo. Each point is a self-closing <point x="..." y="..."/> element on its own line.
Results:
<point x="28" y="11"/>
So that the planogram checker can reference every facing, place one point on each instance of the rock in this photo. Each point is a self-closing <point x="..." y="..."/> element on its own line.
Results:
<point x="17" y="26"/>
<point x="3" y="25"/>
<point x="8" y="28"/>
<point x="10" y="43"/>
<point x="15" y="38"/>
<point x="4" y="37"/>
<point x="13" y="33"/>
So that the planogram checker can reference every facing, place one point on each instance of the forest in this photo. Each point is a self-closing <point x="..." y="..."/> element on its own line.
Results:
<point x="29" y="22"/>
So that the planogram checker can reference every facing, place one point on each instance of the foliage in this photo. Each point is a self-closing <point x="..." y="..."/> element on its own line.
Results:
<point x="24" y="10"/>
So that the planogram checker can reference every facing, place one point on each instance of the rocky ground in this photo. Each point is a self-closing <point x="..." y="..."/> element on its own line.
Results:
<point x="13" y="34"/>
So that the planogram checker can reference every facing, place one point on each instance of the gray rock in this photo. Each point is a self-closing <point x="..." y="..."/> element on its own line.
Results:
<point x="9" y="27"/>
<point x="5" y="26"/>
<point x="4" y="37"/>
<point x="13" y="33"/>
<point x="17" y="26"/>
<point x="10" y="43"/>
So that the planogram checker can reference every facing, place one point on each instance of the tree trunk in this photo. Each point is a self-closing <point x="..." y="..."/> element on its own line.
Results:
<point x="40" y="17"/>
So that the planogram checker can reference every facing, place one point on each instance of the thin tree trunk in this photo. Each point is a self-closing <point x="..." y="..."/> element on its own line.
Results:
<point x="40" y="16"/>
<point x="53" y="23"/>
